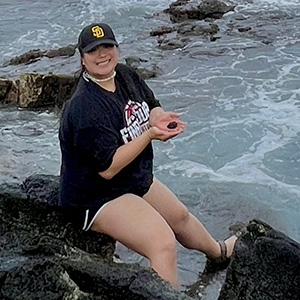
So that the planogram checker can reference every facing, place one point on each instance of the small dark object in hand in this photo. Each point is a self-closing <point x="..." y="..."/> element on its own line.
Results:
<point x="172" y="125"/>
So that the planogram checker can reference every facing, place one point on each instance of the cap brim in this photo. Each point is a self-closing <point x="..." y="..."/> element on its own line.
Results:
<point x="97" y="43"/>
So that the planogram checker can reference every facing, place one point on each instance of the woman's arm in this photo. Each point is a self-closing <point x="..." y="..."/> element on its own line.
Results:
<point x="126" y="153"/>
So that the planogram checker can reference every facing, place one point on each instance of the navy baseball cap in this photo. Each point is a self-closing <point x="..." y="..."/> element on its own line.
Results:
<point x="94" y="35"/>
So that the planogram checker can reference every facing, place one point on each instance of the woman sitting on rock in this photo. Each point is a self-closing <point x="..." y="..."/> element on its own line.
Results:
<point x="107" y="182"/>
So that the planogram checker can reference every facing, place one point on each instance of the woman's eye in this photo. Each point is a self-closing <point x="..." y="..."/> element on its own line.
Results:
<point x="103" y="46"/>
<point x="92" y="50"/>
<point x="107" y="46"/>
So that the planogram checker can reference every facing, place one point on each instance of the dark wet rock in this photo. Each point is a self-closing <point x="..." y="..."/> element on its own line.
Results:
<point x="214" y="9"/>
<point x="197" y="10"/>
<point x="266" y="266"/>
<point x="244" y="29"/>
<point x="162" y="30"/>
<point x="34" y="90"/>
<point x="143" y="67"/>
<point x="5" y="86"/>
<point x="28" y="57"/>
<point x="170" y="42"/>
<point x="64" y="51"/>
<point x="43" y="256"/>
<point x="184" y="31"/>
<point x="172" y="125"/>
<point x="42" y="189"/>
<point x="188" y="11"/>
<point x="191" y="20"/>
<point x="204" y="29"/>
<point x="44" y="90"/>
<point x="177" y="3"/>
<point x="134" y="61"/>
<point x="12" y="96"/>
<point x="33" y="55"/>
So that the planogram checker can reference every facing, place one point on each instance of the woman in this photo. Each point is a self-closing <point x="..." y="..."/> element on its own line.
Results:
<point x="107" y="184"/>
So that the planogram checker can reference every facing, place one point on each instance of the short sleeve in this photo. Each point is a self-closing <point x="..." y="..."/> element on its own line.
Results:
<point x="136" y="86"/>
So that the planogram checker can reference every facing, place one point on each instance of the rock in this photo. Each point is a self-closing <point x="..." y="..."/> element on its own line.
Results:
<point x="43" y="256"/>
<point x="194" y="10"/>
<point x="142" y="67"/>
<point x="244" y="29"/>
<point x="8" y="91"/>
<point x="12" y="96"/>
<point x="214" y="9"/>
<point x="38" y="90"/>
<point x="184" y="31"/>
<point x="162" y="30"/>
<point x="64" y="51"/>
<point x="265" y="266"/>
<point x="170" y="43"/>
<point x="198" y="29"/>
<point x="5" y="86"/>
<point x="36" y="54"/>
<point x="191" y="18"/>
<point x="28" y="57"/>
<point x="25" y="211"/>
<point x="42" y="189"/>
<point x="187" y="11"/>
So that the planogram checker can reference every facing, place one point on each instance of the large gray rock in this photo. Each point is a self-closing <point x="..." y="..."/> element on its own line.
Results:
<point x="182" y="10"/>
<point x="266" y="266"/>
<point x="191" y="19"/>
<point x="43" y="256"/>
<point x="36" y="54"/>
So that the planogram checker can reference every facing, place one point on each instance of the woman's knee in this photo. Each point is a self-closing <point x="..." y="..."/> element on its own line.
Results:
<point x="164" y="244"/>
<point x="180" y="218"/>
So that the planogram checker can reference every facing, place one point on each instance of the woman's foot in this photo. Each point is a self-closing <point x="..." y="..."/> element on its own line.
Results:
<point x="222" y="261"/>
<point x="230" y="243"/>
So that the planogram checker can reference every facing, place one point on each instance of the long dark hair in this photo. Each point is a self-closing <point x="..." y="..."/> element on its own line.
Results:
<point x="77" y="75"/>
<point x="79" y="72"/>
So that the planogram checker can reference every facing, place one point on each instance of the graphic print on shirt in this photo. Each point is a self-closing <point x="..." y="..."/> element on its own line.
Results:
<point x="136" y="117"/>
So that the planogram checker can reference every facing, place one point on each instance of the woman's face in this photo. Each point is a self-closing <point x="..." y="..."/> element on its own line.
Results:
<point x="101" y="61"/>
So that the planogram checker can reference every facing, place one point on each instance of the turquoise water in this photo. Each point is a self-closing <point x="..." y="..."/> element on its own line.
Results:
<point x="239" y="157"/>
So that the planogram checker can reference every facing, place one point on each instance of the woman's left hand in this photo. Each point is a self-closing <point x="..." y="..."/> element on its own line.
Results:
<point x="169" y="121"/>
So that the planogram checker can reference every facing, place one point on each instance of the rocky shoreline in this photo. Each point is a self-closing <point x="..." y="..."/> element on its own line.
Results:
<point x="43" y="256"/>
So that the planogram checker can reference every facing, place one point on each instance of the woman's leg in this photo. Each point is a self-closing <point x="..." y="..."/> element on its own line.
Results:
<point x="188" y="229"/>
<point x="133" y="222"/>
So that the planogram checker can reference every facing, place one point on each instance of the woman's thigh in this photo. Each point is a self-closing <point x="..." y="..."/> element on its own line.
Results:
<point x="162" y="199"/>
<point x="130" y="220"/>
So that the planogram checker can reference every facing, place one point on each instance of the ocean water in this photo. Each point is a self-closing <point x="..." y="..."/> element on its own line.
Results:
<point x="239" y="157"/>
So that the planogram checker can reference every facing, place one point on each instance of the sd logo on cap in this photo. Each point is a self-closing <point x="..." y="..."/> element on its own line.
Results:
<point x="97" y="32"/>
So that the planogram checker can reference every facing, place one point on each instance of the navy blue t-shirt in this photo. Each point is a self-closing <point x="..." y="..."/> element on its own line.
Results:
<point x="94" y="123"/>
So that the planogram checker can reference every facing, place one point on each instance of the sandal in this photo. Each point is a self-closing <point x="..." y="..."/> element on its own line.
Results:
<point x="214" y="265"/>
